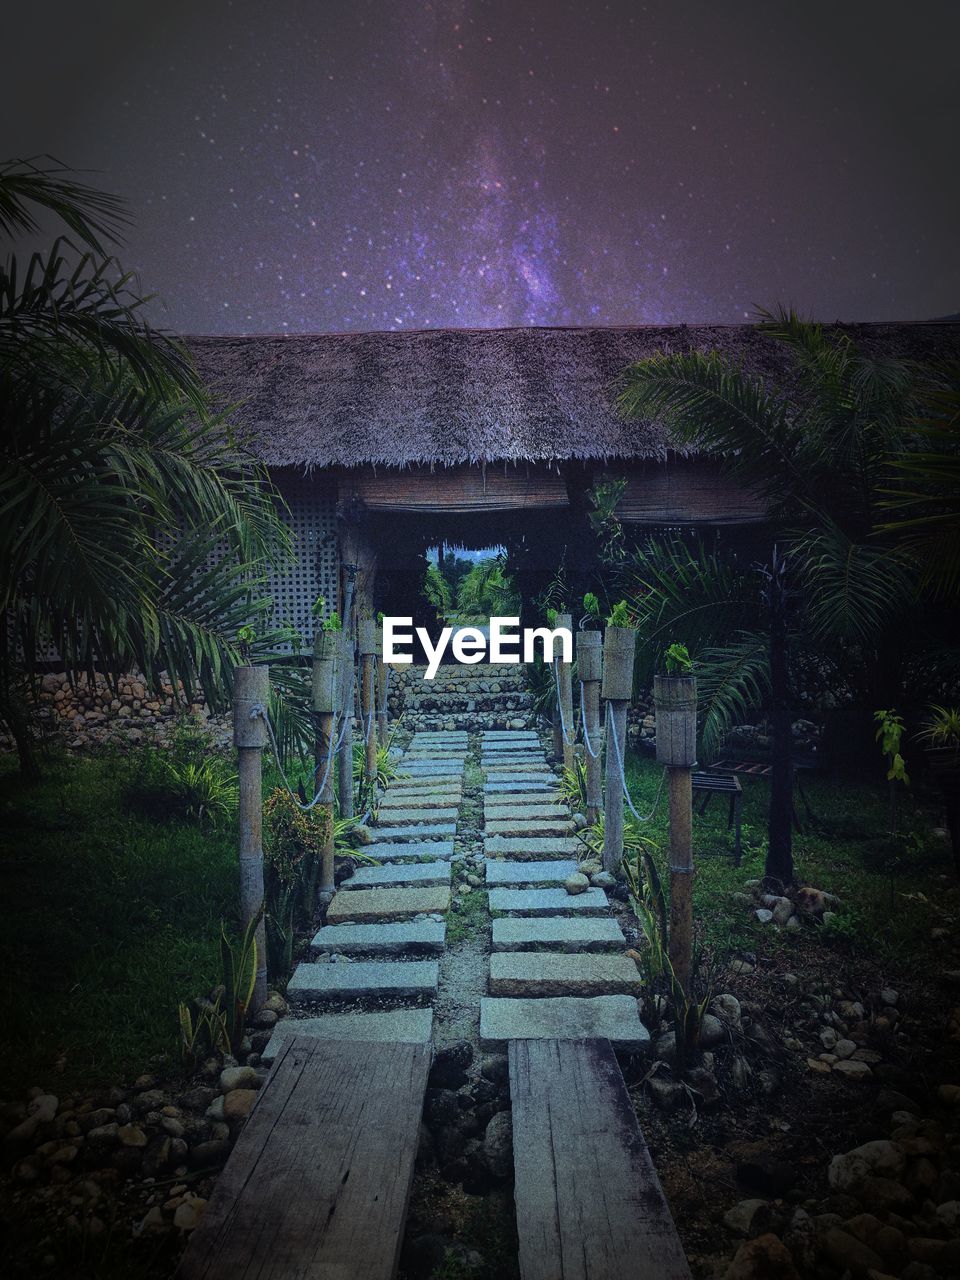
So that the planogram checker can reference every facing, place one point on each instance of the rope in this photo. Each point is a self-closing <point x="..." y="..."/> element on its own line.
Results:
<point x="586" y="732"/>
<point x="568" y="738"/>
<point x="618" y="756"/>
<point x="260" y="710"/>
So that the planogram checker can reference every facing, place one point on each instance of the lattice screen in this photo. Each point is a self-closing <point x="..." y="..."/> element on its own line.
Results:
<point x="315" y="571"/>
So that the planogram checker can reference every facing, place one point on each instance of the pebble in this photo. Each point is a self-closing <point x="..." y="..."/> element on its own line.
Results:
<point x="576" y="883"/>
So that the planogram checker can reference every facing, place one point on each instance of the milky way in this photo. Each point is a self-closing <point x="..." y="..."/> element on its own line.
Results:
<point x="310" y="166"/>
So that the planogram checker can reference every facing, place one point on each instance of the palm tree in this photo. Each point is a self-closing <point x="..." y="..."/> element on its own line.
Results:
<point x="135" y="527"/>
<point x="817" y="450"/>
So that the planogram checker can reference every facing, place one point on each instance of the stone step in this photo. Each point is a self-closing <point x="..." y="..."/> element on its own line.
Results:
<point x="417" y="816"/>
<point x="529" y="827"/>
<point x="420" y="754"/>
<point x="613" y="1018"/>
<point x="546" y="902"/>
<point x="406" y="851"/>
<point x="405" y="937"/>
<point x="558" y="973"/>
<point x="366" y="905"/>
<point x="523" y="767"/>
<point x="362" y="978"/>
<point x="398" y="873"/>
<point x="406" y="1026"/>
<point x="518" y="794"/>
<point x="557" y="933"/>
<point x="427" y="769"/>
<point x="521" y="787"/>
<point x="529" y="873"/>
<point x="405" y="788"/>
<point x="529" y="847"/>
<point x="503" y="758"/>
<point x="422" y="831"/>
<point x="421" y="800"/>
<point x="494" y="811"/>
<point x="509" y="735"/>
<point x="495" y="750"/>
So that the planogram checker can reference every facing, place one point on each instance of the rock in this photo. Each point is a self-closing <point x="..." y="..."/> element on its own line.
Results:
<point x="765" y="917"/>
<point x="666" y="1093"/>
<point x="131" y="1135"/>
<point x="495" y="1067"/>
<point x="441" y="1106"/>
<point x="591" y="867"/>
<point x="884" y="1194"/>
<point x="215" y="1109"/>
<point x="828" y="1038"/>
<point x="577" y="883"/>
<point x="801" y="1239"/>
<point x="603" y="880"/>
<point x="449" y="1070"/>
<point x="265" y="1018"/>
<point x="43" y="1107"/>
<point x="188" y="1214"/>
<point x="238" y="1078"/>
<point x="949" y="1214"/>
<point x="783" y="911"/>
<point x="210" y="1154"/>
<point x="888" y="1242"/>
<point x="848" y="1253"/>
<point x="712" y="1031"/>
<point x="888" y="996"/>
<point x="149" y="1099"/>
<point x="727" y="1009"/>
<point x="197" y="1099"/>
<point x="858" y="1071"/>
<point x="103" y="1134"/>
<point x="749" y="1218"/>
<point x="764" y="1258"/>
<point x="498" y="1145"/>
<point x="152" y="1220"/>
<point x="238" y="1103"/>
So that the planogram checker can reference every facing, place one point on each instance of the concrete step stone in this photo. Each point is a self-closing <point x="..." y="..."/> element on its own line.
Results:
<point x="613" y="1018"/>
<point x="420" y="831"/>
<point x="557" y="933"/>
<point x="397" y="874"/>
<point x="417" y="815"/>
<point x="557" y="973"/>
<point x="529" y="847"/>
<point x="412" y="850"/>
<point x="529" y="827"/>
<point x="405" y="1026"/>
<point x="402" y="938"/>
<point x="496" y="812"/>
<point x="547" y="902"/>
<point x="366" y="905"/>
<point x="529" y="873"/>
<point x="362" y="978"/>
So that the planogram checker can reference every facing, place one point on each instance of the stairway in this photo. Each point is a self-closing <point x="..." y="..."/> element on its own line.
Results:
<point x="462" y="697"/>
<point x="557" y="969"/>
<point x="374" y="970"/>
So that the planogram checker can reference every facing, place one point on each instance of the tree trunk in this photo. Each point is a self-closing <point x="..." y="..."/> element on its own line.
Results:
<point x="778" y="872"/>
<point x="15" y="716"/>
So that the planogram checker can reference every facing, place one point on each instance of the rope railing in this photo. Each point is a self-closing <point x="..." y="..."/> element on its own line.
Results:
<point x="568" y="737"/>
<point x="586" y="731"/>
<point x="618" y="757"/>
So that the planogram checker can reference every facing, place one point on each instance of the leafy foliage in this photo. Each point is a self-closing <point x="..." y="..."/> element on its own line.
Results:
<point x="293" y="852"/>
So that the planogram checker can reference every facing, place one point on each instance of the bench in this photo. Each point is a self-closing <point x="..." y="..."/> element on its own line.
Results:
<point x="319" y="1180"/>
<point x="712" y="784"/>
<point x="589" y="1202"/>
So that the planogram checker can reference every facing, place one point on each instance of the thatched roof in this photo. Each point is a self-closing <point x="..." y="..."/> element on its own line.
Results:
<point x="449" y="396"/>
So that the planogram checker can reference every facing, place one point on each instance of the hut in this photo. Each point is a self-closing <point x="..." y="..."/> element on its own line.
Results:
<point x="385" y="443"/>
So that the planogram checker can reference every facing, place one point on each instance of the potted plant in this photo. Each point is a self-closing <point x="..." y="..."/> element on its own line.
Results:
<point x="941" y="738"/>
<point x="675" y="705"/>
<point x="619" y="647"/>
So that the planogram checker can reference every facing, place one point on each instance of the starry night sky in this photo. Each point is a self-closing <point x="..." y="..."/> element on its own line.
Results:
<point x="316" y="165"/>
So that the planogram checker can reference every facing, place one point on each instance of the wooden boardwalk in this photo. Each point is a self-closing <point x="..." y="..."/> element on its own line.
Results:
<point x="318" y="1183"/>
<point x="589" y="1203"/>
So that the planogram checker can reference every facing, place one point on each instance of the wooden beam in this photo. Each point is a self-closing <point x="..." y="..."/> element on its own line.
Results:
<point x="318" y="1182"/>
<point x="589" y="1202"/>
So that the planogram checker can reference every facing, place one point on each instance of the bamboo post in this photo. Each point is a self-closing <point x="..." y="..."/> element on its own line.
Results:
<point x="590" y="669"/>
<point x="368" y="662"/>
<point x="346" y="701"/>
<point x="326" y="681"/>
<point x="251" y="698"/>
<point x="383" y="673"/>
<point x="675" y="703"/>
<point x="617" y="688"/>
<point x="565" y="681"/>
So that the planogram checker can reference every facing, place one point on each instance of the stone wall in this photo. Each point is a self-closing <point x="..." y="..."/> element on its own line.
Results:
<point x="93" y="714"/>
<point x="482" y="696"/>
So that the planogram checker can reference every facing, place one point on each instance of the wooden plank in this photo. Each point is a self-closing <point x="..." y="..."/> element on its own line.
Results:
<point x="687" y="491"/>
<point x="589" y="1202"/>
<point x="462" y="488"/>
<point x="317" y="1185"/>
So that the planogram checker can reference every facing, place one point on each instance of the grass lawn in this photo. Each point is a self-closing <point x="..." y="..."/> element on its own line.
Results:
<point x="111" y="919"/>
<point x="890" y="889"/>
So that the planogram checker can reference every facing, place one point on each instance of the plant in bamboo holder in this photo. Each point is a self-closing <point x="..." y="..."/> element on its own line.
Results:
<point x="675" y="705"/>
<point x="292" y="860"/>
<point x="649" y="905"/>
